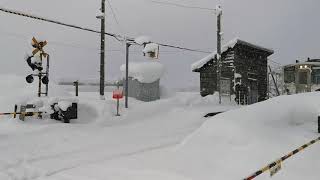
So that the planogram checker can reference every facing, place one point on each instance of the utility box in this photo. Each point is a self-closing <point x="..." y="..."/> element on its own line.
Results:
<point x="65" y="116"/>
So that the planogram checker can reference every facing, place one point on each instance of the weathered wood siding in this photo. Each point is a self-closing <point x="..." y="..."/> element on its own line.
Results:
<point x="251" y="63"/>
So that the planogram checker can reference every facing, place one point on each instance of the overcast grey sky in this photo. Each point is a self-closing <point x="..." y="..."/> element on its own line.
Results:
<point x="290" y="27"/>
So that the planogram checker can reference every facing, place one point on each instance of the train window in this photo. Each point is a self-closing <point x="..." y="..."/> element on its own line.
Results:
<point x="289" y="75"/>
<point x="303" y="77"/>
<point x="316" y="76"/>
<point x="316" y="80"/>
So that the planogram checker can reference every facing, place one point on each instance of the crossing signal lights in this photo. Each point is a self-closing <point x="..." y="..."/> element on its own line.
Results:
<point x="45" y="80"/>
<point x="33" y="64"/>
<point x="29" y="79"/>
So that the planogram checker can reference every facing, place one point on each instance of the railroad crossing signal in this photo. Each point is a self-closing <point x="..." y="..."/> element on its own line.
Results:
<point x="35" y="62"/>
<point x="39" y="45"/>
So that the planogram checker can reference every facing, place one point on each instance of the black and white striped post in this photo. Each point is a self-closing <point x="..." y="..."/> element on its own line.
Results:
<point x="318" y="124"/>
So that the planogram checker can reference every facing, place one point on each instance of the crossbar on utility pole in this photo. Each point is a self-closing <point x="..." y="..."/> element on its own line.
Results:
<point x="102" y="51"/>
<point x="219" y="51"/>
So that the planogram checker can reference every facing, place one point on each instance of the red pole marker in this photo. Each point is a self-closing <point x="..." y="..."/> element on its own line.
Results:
<point x="117" y="94"/>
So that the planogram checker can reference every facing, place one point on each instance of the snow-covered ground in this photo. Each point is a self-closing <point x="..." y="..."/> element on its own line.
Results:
<point x="45" y="148"/>
<point x="167" y="139"/>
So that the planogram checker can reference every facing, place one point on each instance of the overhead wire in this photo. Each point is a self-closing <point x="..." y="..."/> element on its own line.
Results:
<point x="116" y="36"/>
<point x="114" y="16"/>
<point x="180" y="5"/>
<point x="73" y="45"/>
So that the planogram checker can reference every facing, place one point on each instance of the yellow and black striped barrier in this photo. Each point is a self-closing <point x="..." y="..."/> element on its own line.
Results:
<point x="22" y="113"/>
<point x="279" y="161"/>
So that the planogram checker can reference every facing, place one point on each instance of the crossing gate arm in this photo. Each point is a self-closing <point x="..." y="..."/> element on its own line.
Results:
<point x="283" y="158"/>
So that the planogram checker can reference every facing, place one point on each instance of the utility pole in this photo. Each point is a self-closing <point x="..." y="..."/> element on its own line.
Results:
<point x="127" y="74"/>
<point x="102" y="50"/>
<point x="219" y="14"/>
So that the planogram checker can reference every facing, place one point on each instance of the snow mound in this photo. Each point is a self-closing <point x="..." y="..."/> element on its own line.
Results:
<point x="142" y="40"/>
<point x="151" y="47"/>
<point x="144" y="72"/>
<point x="15" y="90"/>
<point x="251" y="137"/>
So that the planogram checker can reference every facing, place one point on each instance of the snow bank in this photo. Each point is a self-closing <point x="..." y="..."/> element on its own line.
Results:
<point x="244" y="140"/>
<point x="15" y="90"/>
<point x="144" y="72"/>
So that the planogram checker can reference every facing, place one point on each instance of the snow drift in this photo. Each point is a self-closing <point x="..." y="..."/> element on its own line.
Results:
<point x="237" y="143"/>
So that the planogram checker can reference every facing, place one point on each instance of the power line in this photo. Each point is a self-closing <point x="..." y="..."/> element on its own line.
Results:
<point x="114" y="15"/>
<point x="183" y="48"/>
<point x="181" y="5"/>
<point x="275" y="62"/>
<point x="116" y="36"/>
<point x="78" y="46"/>
<point x="53" y="21"/>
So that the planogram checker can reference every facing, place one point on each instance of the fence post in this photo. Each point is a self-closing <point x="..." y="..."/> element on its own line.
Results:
<point x="76" y="84"/>
<point x="318" y="124"/>
<point x="118" y="104"/>
<point x="15" y="111"/>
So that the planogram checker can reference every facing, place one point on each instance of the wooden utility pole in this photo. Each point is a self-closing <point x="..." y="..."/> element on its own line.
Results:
<point x="102" y="51"/>
<point x="127" y="75"/>
<point x="219" y="14"/>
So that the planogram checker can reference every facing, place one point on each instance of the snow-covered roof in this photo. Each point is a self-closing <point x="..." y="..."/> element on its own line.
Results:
<point x="303" y="63"/>
<point x="230" y="44"/>
<point x="144" y="72"/>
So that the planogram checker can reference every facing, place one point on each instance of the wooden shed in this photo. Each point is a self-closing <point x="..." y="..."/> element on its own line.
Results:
<point x="244" y="71"/>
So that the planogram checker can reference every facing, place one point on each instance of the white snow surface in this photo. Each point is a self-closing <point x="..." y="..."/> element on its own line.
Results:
<point x="229" y="146"/>
<point x="166" y="139"/>
<point x="64" y="105"/>
<point x="144" y="72"/>
<point x="218" y="10"/>
<point x="151" y="47"/>
<point x="142" y="40"/>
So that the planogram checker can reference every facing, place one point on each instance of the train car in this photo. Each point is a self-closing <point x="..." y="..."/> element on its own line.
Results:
<point x="302" y="76"/>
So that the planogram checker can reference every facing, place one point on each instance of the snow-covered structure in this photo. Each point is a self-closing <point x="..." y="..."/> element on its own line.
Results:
<point x="302" y="76"/>
<point x="144" y="80"/>
<point x="244" y="71"/>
